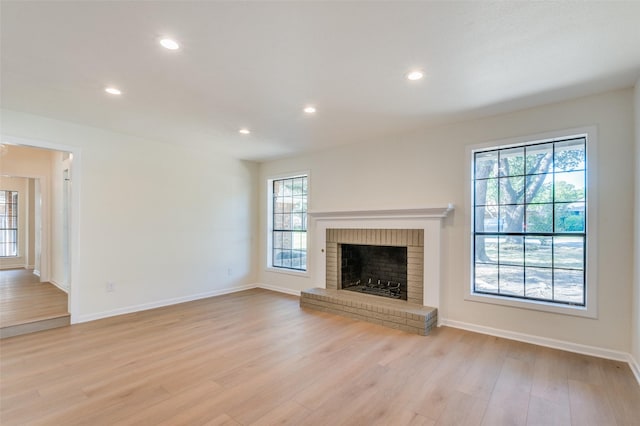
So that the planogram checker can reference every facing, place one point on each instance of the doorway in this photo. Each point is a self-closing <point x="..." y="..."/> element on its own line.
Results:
<point x="36" y="281"/>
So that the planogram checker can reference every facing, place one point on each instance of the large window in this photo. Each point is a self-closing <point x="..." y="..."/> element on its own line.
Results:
<point x="530" y="221"/>
<point x="289" y="223"/>
<point x="8" y="223"/>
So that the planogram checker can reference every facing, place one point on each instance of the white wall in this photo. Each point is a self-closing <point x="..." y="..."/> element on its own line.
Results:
<point x="635" y="325"/>
<point x="162" y="222"/>
<point x="428" y="168"/>
<point x="56" y="247"/>
<point x="31" y="228"/>
<point x="21" y="185"/>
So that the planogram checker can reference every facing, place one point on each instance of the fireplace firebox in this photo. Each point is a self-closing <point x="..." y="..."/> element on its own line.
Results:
<point x="373" y="269"/>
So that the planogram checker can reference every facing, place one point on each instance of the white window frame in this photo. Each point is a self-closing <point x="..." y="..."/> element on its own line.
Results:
<point x="590" y="310"/>
<point x="269" y="235"/>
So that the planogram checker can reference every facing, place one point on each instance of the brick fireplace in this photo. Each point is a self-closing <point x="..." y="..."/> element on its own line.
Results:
<point x="414" y="231"/>
<point x="411" y="240"/>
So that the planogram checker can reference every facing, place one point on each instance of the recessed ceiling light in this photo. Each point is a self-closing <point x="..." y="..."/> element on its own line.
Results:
<point x="113" y="91"/>
<point x="244" y="131"/>
<point x="169" y="44"/>
<point x="309" y="109"/>
<point x="415" y="75"/>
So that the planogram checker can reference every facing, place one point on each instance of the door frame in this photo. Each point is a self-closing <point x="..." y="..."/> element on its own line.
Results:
<point x="73" y="210"/>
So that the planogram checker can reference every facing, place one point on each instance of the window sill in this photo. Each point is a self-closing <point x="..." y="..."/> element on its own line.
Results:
<point x="533" y="305"/>
<point x="301" y="274"/>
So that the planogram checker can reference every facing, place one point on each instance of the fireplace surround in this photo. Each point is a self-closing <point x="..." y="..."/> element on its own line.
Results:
<point x="411" y="241"/>
<point x="417" y="229"/>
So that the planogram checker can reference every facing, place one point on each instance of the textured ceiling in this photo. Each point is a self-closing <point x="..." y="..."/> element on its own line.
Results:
<point x="256" y="64"/>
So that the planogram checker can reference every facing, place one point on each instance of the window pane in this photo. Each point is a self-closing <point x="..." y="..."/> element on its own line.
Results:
<point x="511" y="190"/>
<point x="570" y="217"/>
<point x="486" y="192"/>
<point x="297" y="221"/>
<point x="511" y="219"/>
<point x="297" y="187"/>
<point x="486" y="278"/>
<point x="278" y="221"/>
<point x="486" y="164"/>
<point x="569" y="186"/>
<point x="539" y="251"/>
<point x="487" y="219"/>
<point x="539" y="158"/>
<point x="570" y="155"/>
<point x="511" y="251"/>
<point x="568" y="252"/>
<point x="486" y="249"/>
<point x="568" y="286"/>
<point x="298" y="204"/>
<point x="539" y="283"/>
<point x="539" y="218"/>
<point x="279" y="205"/>
<point x="512" y="280"/>
<point x="278" y="188"/>
<point x="539" y="188"/>
<point x="511" y="162"/>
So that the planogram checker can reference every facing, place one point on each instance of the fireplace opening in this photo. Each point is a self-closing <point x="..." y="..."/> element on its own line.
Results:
<point x="377" y="270"/>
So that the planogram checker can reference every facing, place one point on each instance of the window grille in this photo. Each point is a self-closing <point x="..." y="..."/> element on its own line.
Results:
<point x="8" y="223"/>
<point x="289" y="232"/>
<point x="529" y="221"/>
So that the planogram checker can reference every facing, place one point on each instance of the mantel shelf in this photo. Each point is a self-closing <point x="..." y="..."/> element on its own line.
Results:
<point x="413" y="213"/>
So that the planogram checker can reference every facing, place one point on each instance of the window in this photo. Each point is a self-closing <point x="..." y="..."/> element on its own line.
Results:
<point x="530" y="221"/>
<point x="289" y="223"/>
<point x="8" y="223"/>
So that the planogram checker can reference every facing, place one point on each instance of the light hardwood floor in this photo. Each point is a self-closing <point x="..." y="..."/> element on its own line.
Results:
<point x="256" y="358"/>
<point x="24" y="299"/>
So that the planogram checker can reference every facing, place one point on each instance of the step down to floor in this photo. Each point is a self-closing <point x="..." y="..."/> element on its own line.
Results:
<point x="391" y="313"/>
<point x="33" y="326"/>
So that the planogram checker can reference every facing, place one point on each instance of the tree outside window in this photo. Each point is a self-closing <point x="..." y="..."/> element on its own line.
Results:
<point x="530" y="221"/>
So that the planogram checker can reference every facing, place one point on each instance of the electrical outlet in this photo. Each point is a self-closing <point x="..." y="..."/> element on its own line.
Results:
<point x="110" y="287"/>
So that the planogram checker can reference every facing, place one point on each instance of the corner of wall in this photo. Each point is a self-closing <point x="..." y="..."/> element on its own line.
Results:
<point x="635" y="325"/>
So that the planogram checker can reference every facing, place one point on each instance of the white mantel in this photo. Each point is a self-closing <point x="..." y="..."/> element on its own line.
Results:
<point x="428" y="218"/>
<point x="412" y="213"/>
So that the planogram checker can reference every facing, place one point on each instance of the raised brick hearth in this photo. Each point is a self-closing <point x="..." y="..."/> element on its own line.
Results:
<point x="398" y="314"/>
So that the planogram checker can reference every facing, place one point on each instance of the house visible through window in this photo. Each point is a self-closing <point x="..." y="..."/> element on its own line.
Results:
<point x="8" y="223"/>
<point x="530" y="217"/>
<point x="289" y="223"/>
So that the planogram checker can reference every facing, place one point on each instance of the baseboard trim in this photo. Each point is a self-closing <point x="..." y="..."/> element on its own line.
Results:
<point x="635" y="367"/>
<point x="157" y="304"/>
<point x="541" y="341"/>
<point x="60" y="286"/>
<point x="12" y="266"/>
<point x="279" y="289"/>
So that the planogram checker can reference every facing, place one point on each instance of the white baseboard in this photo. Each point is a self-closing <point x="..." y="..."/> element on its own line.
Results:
<point x="60" y="286"/>
<point x="76" y="319"/>
<point x="541" y="341"/>
<point x="278" y="289"/>
<point x="635" y="367"/>
<point x="12" y="266"/>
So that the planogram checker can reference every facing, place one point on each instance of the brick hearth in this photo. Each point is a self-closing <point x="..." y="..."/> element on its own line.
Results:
<point x="398" y="314"/>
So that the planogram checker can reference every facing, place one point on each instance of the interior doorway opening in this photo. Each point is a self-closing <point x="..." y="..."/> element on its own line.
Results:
<point x="41" y="179"/>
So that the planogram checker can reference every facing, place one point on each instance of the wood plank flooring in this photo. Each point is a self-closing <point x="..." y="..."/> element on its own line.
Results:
<point x="256" y="358"/>
<point x="28" y="304"/>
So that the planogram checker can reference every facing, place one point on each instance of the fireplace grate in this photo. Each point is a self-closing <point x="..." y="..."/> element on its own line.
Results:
<point x="377" y="287"/>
